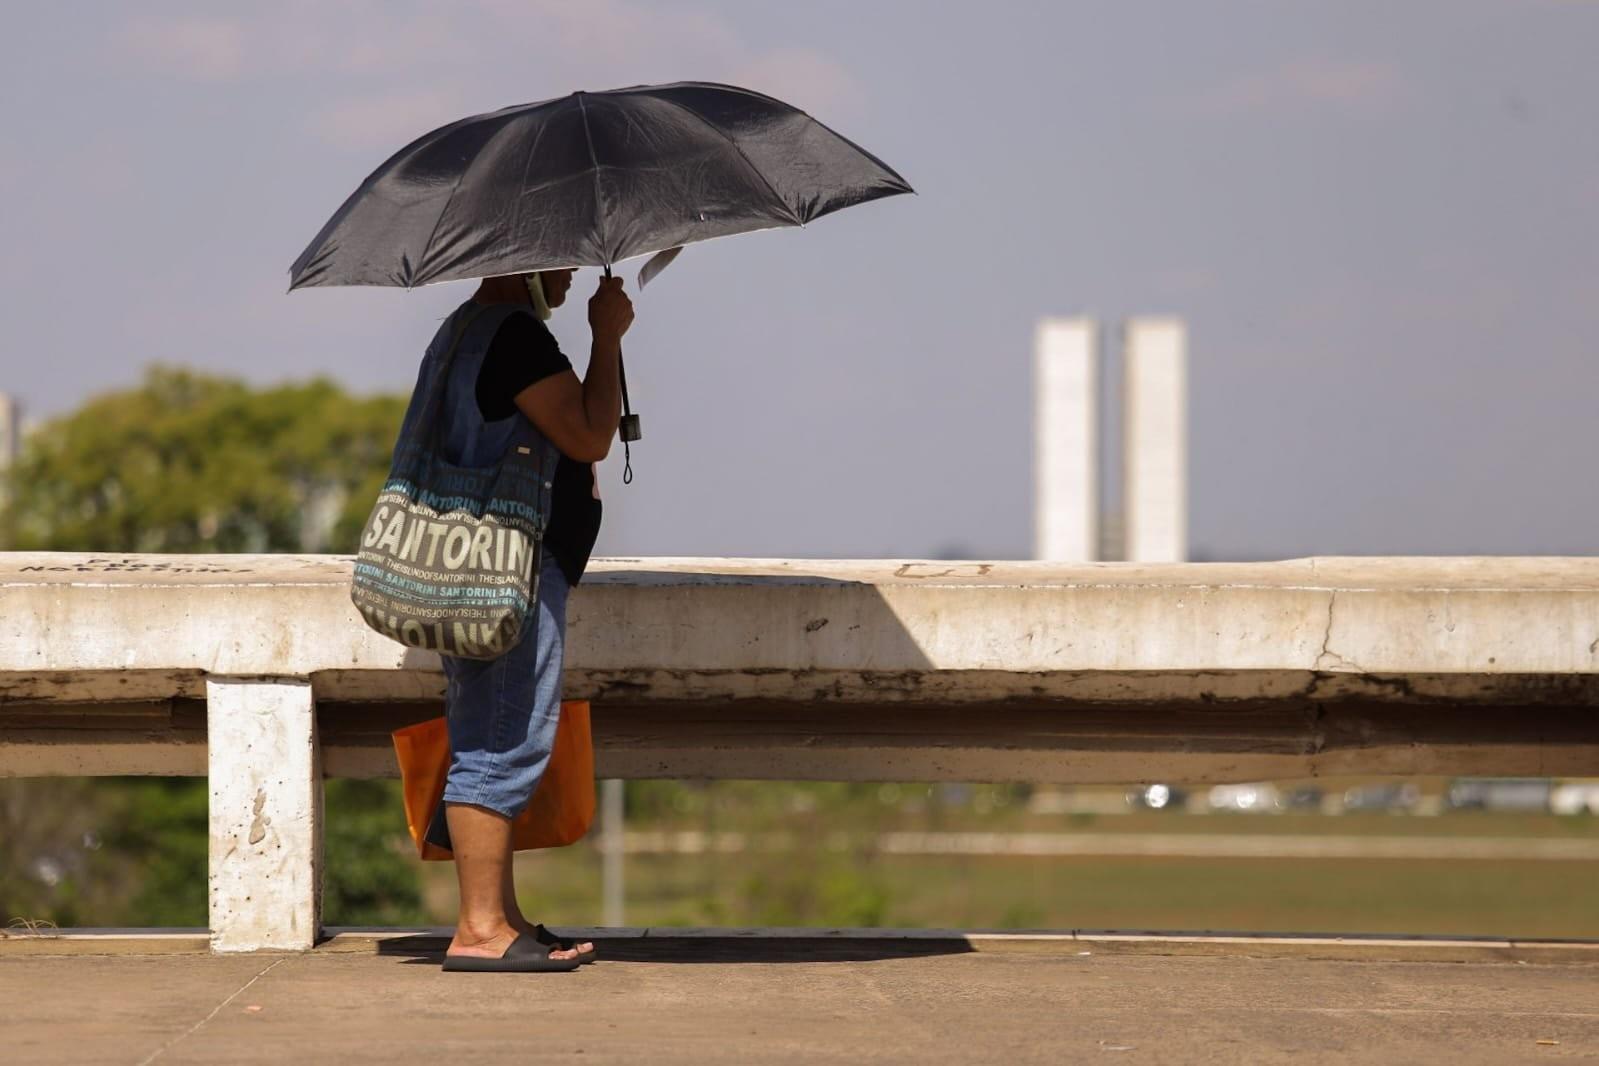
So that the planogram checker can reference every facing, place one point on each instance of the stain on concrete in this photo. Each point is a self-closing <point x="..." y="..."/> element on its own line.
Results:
<point x="910" y="570"/>
<point x="258" y="825"/>
<point x="814" y="624"/>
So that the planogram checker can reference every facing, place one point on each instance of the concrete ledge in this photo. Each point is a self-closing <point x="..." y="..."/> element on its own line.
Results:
<point x="84" y="628"/>
<point x="69" y="941"/>
<point x="861" y="670"/>
<point x="669" y="944"/>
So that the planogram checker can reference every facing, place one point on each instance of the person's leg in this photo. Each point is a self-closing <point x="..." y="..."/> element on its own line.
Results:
<point x="489" y="920"/>
<point x="482" y="843"/>
<point x="502" y="716"/>
<point x="519" y="922"/>
<point x="548" y="661"/>
<point x="482" y="840"/>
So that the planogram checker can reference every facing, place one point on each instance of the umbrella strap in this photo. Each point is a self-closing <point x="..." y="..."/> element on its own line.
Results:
<point x="628" y="430"/>
<point x="627" y="420"/>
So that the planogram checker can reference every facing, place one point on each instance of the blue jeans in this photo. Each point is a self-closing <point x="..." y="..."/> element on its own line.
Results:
<point x="502" y="712"/>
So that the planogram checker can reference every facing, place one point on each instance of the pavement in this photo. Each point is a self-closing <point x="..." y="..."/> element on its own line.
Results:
<point x="780" y="1000"/>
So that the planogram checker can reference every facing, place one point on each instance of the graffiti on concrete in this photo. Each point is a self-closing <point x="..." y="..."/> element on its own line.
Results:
<point x="134" y="566"/>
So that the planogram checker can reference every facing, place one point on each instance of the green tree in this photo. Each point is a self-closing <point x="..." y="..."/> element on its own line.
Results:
<point x="192" y="463"/>
<point x="187" y="462"/>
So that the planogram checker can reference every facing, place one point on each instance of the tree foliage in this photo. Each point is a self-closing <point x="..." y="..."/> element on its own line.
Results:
<point x="187" y="462"/>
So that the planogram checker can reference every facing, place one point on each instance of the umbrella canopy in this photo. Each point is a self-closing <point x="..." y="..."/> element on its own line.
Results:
<point x="588" y="180"/>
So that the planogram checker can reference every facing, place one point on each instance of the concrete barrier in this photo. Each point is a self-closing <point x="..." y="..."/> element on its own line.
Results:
<point x="785" y="669"/>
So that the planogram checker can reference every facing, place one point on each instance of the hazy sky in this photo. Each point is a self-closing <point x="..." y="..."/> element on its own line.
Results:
<point x="1381" y="221"/>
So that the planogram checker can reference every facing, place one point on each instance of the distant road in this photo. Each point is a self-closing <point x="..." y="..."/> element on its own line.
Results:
<point x="1153" y="845"/>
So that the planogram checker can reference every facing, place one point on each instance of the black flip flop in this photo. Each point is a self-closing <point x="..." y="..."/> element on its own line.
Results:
<point x="564" y="943"/>
<point x="525" y="955"/>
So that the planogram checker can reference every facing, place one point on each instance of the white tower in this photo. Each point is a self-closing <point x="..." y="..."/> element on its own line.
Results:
<point x="1066" y="441"/>
<point x="1155" y="440"/>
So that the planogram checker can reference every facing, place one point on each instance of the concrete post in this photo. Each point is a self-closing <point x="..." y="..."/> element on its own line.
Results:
<point x="266" y="814"/>
<point x="1065" y="441"/>
<point x="1155" y="444"/>
<point x="613" y="847"/>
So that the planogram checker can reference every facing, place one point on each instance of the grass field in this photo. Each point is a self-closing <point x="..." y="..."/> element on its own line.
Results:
<point x="1453" y="897"/>
<point x="829" y="873"/>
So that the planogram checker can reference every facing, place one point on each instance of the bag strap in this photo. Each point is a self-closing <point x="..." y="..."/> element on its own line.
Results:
<point x="460" y="331"/>
<point x="542" y="460"/>
<point x="438" y="384"/>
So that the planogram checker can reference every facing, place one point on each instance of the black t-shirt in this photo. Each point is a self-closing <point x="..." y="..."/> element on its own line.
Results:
<point x="523" y="352"/>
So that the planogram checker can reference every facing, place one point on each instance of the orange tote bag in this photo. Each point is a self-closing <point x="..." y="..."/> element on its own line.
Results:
<point x="559" y="813"/>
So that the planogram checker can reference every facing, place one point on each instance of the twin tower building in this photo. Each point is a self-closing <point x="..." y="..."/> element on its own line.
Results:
<point x="1148" y="520"/>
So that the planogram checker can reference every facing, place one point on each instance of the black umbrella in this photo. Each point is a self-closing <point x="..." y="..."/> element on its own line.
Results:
<point x="588" y="180"/>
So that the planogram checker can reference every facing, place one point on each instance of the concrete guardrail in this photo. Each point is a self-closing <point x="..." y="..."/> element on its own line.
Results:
<point x="255" y="671"/>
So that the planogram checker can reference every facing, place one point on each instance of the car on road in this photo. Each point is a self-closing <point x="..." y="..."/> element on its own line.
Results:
<point x="1575" y="797"/>
<point x="1393" y="797"/>
<point x="1304" y="798"/>
<point x="1499" y="794"/>
<point x="1157" y="796"/>
<point x="1249" y="799"/>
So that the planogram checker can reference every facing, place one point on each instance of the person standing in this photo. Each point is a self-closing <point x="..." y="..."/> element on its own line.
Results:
<point x="502" y="713"/>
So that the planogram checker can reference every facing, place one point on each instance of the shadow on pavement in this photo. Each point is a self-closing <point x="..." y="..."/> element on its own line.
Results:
<point x="429" y="950"/>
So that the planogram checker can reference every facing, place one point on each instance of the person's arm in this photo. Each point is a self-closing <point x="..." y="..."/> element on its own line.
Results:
<point x="580" y="417"/>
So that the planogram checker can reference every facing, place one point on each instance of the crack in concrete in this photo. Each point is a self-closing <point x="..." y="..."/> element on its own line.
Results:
<point x="1338" y="661"/>
<point x="158" y="1052"/>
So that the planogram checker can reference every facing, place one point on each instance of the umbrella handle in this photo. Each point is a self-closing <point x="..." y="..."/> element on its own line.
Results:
<point x="628" y="428"/>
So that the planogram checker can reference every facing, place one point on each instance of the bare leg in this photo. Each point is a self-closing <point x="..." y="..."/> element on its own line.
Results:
<point x="513" y="913"/>
<point x="482" y="843"/>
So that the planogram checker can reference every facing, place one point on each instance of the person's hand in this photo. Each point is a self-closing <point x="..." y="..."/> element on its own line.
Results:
<point x="610" y="311"/>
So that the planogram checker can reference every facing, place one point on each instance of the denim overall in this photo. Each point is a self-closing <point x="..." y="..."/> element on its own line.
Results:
<point x="501" y="712"/>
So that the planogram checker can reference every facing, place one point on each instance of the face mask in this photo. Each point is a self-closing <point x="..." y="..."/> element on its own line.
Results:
<point x="535" y="292"/>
